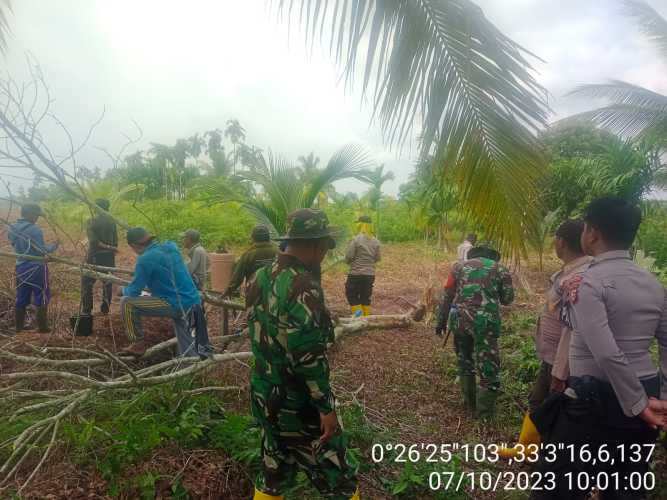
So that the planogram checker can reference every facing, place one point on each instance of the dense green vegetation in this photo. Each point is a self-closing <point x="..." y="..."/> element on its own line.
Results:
<point x="191" y="184"/>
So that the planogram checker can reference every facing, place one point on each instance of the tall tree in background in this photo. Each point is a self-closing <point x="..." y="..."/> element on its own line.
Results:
<point x="432" y="197"/>
<point x="235" y="133"/>
<point x="634" y="111"/>
<point x="216" y="152"/>
<point x="586" y="162"/>
<point x="441" y="64"/>
<point x="308" y="165"/>
<point x="376" y="178"/>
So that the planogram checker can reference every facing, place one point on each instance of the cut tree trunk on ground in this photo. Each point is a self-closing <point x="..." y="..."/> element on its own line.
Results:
<point x="379" y="322"/>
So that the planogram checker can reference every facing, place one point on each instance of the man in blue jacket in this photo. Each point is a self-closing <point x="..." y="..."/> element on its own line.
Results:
<point x="173" y="294"/>
<point x="32" y="276"/>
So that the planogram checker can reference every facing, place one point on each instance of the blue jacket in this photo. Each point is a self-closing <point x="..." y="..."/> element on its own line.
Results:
<point x="28" y="239"/>
<point x="161" y="269"/>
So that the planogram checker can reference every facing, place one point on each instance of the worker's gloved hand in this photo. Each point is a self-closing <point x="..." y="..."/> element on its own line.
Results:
<point x="439" y="331"/>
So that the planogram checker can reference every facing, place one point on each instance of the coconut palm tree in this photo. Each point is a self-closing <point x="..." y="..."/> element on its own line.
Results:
<point x="308" y="165"/>
<point x="633" y="111"/>
<point x="376" y="178"/>
<point x="443" y="66"/>
<point x="236" y="133"/>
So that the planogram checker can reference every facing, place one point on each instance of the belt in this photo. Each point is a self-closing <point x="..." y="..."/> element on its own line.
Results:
<point x="602" y="399"/>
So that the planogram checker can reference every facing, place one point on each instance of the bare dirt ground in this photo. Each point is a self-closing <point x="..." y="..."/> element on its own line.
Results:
<point x="396" y="375"/>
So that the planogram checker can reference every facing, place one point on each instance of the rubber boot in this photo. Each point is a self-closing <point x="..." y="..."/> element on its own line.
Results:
<point x="42" y="320"/>
<point x="486" y="403"/>
<point x="20" y="319"/>
<point x="263" y="496"/>
<point x="529" y="435"/>
<point x="366" y="310"/>
<point x="468" y="388"/>
<point x="357" y="311"/>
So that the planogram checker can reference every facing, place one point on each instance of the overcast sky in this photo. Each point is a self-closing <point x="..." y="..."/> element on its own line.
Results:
<point x="179" y="67"/>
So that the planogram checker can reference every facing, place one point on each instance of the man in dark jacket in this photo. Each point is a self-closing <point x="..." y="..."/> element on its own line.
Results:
<point x="32" y="275"/>
<point x="102" y="248"/>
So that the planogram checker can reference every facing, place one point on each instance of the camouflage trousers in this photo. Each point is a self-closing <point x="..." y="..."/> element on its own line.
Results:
<point x="285" y="453"/>
<point x="476" y="344"/>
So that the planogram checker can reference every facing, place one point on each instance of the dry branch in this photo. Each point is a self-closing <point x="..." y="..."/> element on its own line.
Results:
<point x="208" y="296"/>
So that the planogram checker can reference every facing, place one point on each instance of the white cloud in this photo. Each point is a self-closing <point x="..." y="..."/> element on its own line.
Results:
<point x="179" y="67"/>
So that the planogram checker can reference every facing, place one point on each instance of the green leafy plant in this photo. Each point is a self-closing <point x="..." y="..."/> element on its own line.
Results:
<point x="469" y="87"/>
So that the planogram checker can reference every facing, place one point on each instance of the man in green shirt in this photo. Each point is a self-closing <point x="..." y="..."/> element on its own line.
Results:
<point x="260" y="254"/>
<point x="291" y="396"/>
<point x="102" y="247"/>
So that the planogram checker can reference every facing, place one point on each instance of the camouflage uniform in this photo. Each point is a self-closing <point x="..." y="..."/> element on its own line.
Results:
<point x="289" y="329"/>
<point x="473" y="294"/>
<point x="259" y="255"/>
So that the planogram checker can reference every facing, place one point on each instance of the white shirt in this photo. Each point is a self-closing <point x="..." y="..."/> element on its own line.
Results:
<point x="462" y="250"/>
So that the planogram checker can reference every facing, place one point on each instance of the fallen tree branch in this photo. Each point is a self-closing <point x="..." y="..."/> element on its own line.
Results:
<point x="209" y="296"/>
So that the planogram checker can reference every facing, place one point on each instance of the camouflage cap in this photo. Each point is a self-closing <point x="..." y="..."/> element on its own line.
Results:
<point x="260" y="233"/>
<point x="308" y="224"/>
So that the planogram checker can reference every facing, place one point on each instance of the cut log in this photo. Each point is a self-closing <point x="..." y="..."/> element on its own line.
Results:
<point x="379" y="322"/>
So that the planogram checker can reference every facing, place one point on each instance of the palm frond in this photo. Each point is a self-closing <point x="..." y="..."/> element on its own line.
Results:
<point x="266" y="215"/>
<point x="351" y="161"/>
<point x="635" y="110"/>
<point x="441" y="65"/>
<point x="279" y="182"/>
<point x="652" y="24"/>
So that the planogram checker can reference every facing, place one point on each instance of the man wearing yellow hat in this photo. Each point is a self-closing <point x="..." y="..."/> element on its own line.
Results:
<point x="363" y="253"/>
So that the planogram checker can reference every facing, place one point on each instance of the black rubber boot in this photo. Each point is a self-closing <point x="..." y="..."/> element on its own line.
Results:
<point x="20" y="319"/>
<point x="42" y="320"/>
<point x="469" y="388"/>
<point x="486" y="403"/>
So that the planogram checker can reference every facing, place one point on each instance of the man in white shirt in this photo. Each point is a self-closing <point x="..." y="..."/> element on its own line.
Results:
<point x="463" y="248"/>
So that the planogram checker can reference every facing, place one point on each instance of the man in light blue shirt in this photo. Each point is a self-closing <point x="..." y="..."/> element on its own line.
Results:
<point x="173" y="294"/>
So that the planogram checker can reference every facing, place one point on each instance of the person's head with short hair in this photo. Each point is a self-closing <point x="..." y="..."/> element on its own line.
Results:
<point x="365" y="225"/>
<point x="260" y="233"/>
<point x="472" y="238"/>
<point x="190" y="238"/>
<point x="103" y="203"/>
<point x="139" y="239"/>
<point x="484" y="252"/>
<point x="567" y="240"/>
<point x="610" y="223"/>
<point x="31" y="212"/>
<point x="309" y="236"/>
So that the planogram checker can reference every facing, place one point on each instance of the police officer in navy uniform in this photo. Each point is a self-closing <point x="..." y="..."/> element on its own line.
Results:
<point x="614" y="401"/>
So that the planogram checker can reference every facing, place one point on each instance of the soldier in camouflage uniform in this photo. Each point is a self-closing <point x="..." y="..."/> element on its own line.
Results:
<point x="291" y="396"/>
<point x="471" y="310"/>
